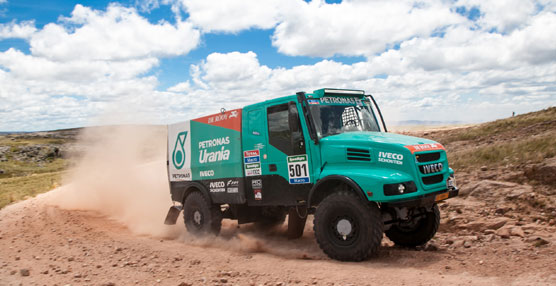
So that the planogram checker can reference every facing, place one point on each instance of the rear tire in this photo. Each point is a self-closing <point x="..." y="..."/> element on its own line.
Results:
<point x="347" y="228"/>
<point x="200" y="217"/>
<point x="417" y="234"/>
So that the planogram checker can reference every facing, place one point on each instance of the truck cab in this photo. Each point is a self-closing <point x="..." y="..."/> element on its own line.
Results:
<point x="326" y="153"/>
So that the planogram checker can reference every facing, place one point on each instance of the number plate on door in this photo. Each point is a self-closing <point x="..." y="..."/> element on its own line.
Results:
<point x="298" y="169"/>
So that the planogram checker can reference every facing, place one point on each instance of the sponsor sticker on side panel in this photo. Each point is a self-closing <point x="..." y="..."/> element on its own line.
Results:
<point x="252" y="163"/>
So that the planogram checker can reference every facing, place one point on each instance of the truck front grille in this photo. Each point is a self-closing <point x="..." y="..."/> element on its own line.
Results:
<point x="427" y="157"/>
<point x="433" y="179"/>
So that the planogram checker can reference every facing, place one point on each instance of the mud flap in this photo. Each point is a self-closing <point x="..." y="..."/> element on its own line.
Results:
<point x="296" y="223"/>
<point x="172" y="215"/>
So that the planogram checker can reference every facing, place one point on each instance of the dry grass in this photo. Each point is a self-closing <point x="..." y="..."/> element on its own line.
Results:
<point x="532" y="149"/>
<point x="508" y="125"/>
<point x="23" y="187"/>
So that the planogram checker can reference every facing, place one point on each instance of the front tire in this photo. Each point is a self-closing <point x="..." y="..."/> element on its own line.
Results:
<point x="347" y="228"/>
<point x="415" y="233"/>
<point x="200" y="216"/>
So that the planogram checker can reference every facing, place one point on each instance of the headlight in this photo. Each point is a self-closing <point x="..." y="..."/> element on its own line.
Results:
<point x="399" y="188"/>
<point x="451" y="182"/>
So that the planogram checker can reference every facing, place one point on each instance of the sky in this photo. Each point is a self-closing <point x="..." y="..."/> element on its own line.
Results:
<point x="67" y="64"/>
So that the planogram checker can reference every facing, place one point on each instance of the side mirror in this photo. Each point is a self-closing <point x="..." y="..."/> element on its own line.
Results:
<point x="293" y="117"/>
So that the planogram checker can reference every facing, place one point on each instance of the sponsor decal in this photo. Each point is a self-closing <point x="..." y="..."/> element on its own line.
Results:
<point x="207" y="173"/>
<point x="257" y="184"/>
<point x="252" y="163"/>
<point x="217" y="187"/>
<point x="232" y="186"/>
<point x="251" y="159"/>
<point x="181" y="177"/>
<point x="424" y="147"/>
<point x="313" y="101"/>
<point x="178" y="155"/>
<point x="222" y="117"/>
<point x="298" y="169"/>
<point x="389" y="157"/>
<point x="220" y="155"/>
<point x="229" y="120"/>
<point x="232" y="183"/>
<point x="251" y="153"/>
<point x="340" y="100"/>
<point x="259" y="146"/>
<point x="431" y="168"/>
<point x="258" y="194"/>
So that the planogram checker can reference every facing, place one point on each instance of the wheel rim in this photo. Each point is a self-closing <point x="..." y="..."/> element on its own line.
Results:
<point x="343" y="230"/>
<point x="197" y="219"/>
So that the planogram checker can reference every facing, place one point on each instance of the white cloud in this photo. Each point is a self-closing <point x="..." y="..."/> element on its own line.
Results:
<point x="504" y="16"/>
<point x="22" y="30"/>
<point x="86" y="64"/>
<point x="445" y="66"/>
<point x="3" y="1"/>
<point x="356" y="28"/>
<point x="118" y="33"/>
<point x="234" y="15"/>
<point x="235" y="79"/>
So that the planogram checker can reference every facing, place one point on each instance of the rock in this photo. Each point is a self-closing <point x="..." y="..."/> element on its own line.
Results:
<point x="517" y="231"/>
<point x="109" y="284"/>
<point x="475" y="225"/>
<point x="497" y="223"/>
<point x="537" y="240"/>
<point x="458" y="243"/>
<point x="185" y="284"/>
<point x="540" y="242"/>
<point x="467" y="244"/>
<point x="503" y="232"/>
<point x="544" y="173"/>
<point x="24" y="272"/>
<point x="484" y="168"/>
<point x="431" y="247"/>
<point x="493" y="189"/>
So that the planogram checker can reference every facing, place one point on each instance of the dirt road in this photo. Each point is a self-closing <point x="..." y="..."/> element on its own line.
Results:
<point x="105" y="227"/>
<point x="60" y="247"/>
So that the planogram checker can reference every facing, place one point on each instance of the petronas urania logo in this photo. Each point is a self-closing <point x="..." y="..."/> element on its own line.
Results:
<point x="178" y="155"/>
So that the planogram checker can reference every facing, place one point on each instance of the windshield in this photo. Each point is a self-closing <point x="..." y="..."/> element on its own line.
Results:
<point x="333" y="116"/>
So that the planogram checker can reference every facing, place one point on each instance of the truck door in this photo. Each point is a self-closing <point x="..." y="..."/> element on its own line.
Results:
<point x="286" y="175"/>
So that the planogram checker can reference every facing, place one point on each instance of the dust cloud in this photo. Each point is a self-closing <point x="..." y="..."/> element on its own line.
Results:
<point x="121" y="174"/>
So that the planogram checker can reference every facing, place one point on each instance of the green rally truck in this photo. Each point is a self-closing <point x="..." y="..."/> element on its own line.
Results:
<point x="326" y="154"/>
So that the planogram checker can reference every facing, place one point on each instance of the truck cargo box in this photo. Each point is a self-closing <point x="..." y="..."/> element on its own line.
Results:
<point x="208" y="150"/>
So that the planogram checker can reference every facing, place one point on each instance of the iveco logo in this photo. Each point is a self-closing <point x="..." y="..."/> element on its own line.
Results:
<point x="431" y="168"/>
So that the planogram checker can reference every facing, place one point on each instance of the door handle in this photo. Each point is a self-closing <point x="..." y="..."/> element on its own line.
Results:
<point x="272" y="167"/>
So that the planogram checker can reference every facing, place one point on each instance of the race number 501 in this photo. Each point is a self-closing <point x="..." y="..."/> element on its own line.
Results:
<point x="298" y="169"/>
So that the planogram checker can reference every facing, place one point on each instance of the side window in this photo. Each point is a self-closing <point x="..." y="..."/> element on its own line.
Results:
<point x="279" y="133"/>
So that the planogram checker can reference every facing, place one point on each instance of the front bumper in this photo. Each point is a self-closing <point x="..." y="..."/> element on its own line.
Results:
<point x="425" y="200"/>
